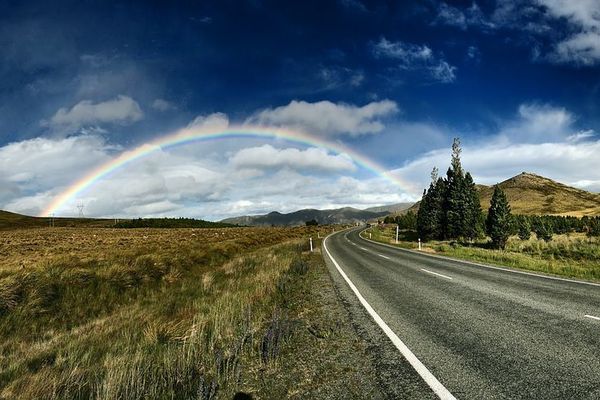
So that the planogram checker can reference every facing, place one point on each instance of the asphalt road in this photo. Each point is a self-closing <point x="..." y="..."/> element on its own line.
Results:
<point x="482" y="333"/>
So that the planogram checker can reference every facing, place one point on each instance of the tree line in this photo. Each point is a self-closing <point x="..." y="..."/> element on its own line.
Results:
<point x="170" y="223"/>
<point x="450" y="210"/>
<point x="450" y="206"/>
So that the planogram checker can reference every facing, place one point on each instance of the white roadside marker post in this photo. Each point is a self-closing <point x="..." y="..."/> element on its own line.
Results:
<point x="397" y="234"/>
<point x="311" y="247"/>
<point x="369" y="235"/>
<point x="419" y="243"/>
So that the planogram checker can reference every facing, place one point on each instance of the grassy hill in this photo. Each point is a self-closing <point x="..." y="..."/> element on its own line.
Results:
<point x="9" y="220"/>
<point x="531" y="194"/>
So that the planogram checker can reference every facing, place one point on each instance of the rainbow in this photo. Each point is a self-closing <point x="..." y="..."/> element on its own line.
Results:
<point x="189" y="135"/>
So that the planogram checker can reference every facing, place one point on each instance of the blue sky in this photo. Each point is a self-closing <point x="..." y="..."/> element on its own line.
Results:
<point x="81" y="82"/>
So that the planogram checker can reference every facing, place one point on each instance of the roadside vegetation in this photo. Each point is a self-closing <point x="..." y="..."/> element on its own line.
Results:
<point x="176" y="313"/>
<point x="450" y="222"/>
<point x="574" y="255"/>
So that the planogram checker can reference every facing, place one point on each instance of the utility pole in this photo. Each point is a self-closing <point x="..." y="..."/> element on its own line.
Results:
<point x="80" y="207"/>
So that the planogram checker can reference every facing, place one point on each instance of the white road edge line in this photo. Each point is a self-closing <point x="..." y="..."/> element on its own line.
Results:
<point x="386" y="257"/>
<point x="435" y="273"/>
<point x="421" y="369"/>
<point x="513" y="271"/>
<point x="592" y="317"/>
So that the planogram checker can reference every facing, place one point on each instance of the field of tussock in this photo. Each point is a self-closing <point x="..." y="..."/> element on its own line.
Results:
<point x="161" y="314"/>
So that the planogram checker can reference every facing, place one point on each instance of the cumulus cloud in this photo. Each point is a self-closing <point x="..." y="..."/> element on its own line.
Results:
<point x="225" y="180"/>
<point x="45" y="161"/>
<point x="540" y="139"/>
<point x="214" y="121"/>
<point x="269" y="157"/>
<point x="571" y="163"/>
<point x="540" y="122"/>
<point x="583" y="46"/>
<point x="327" y="118"/>
<point x="414" y="57"/>
<point x="121" y="110"/>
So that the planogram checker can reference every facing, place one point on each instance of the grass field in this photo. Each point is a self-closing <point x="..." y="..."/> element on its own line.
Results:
<point x="573" y="255"/>
<point x="177" y="313"/>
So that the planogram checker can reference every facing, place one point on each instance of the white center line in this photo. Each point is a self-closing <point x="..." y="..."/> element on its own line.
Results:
<point x="592" y="317"/>
<point x="435" y="273"/>
<point x="386" y="257"/>
<point x="362" y="248"/>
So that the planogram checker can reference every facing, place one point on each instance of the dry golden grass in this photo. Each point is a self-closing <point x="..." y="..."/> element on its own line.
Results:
<point x="145" y="313"/>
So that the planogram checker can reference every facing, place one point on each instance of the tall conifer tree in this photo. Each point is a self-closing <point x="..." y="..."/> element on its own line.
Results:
<point x="498" y="221"/>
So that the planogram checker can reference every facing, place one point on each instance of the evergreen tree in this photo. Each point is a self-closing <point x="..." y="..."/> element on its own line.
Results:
<point x="524" y="229"/>
<point x="498" y="219"/>
<point x="543" y="231"/>
<point x="594" y="227"/>
<point x="429" y="217"/>
<point x="424" y="217"/>
<point x="457" y="204"/>
<point x="473" y="211"/>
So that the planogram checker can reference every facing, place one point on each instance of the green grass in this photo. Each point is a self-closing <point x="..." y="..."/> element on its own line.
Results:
<point x="574" y="255"/>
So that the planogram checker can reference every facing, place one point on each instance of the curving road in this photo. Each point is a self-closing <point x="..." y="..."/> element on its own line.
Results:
<point x="480" y="333"/>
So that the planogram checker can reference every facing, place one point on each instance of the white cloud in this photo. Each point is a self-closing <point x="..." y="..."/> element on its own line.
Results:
<point x="581" y="135"/>
<point x="443" y="72"/>
<point x="413" y="57"/>
<point x="583" y="46"/>
<point x="540" y="122"/>
<point x="462" y="18"/>
<point x="215" y="121"/>
<point x="582" y="49"/>
<point x="267" y="156"/>
<point x="407" y="53"/>
<point x="336" y="77"/>
<point x="223" y="180"/>
<point x="163" y="105"/>
<point x="122" y="110"/>
<point x="327" y="118"/>
<point x="570" y="163"/>
<point x="541" y="139"/>
<point x="43" y="161"/>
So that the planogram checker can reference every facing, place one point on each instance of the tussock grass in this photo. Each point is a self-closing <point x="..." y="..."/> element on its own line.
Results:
<point x="570" y="255"/>
<point x="183" y="315"/>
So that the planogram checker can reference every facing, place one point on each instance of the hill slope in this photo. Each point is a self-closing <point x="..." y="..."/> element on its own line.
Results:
<point x="336" y="216"/>
<point x="531" y="194"/>
<point x="10" y="220"/>
<point x="392" y="208"/>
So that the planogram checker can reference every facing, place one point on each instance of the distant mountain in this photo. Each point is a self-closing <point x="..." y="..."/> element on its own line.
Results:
<point x="531" y="194"/>
<point x="392" y="208"/>
<point x="346" y="215"/>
